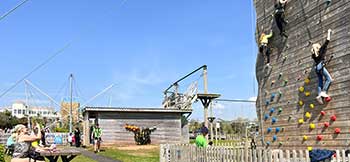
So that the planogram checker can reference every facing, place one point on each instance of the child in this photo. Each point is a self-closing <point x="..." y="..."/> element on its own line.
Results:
<point x="318" y="55"/>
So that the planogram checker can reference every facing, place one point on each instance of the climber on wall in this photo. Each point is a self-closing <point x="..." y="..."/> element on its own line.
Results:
<point x="279" y="15"/>
<point x="318" y="54"/>
<point x="264" y="49"/>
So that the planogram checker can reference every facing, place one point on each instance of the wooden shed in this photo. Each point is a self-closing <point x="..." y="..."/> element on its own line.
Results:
<point x="170" y="124"/>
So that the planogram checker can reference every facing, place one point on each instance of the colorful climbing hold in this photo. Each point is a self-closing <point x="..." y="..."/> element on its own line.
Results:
<point x="273" y="82"/>
<point x="301" y="121"/>
<point x="319" y="137"/>
<point x="328" y="2"/>
<point x="274" y="120"/>
<point x="312" y="106"/>
<point x="273" y="95"/>
<point x="280" y="109"/>
<point x="333" y="118"/>
<point x="307" y="93"/>
<point x="280" y="93"/>
<point x="305" y="137"/>
<point x="279" y="76"/>
<point x="266" y="116"/>
<point x="337" y="130"/>
<point x="328" y="99"/>
<point x="274" y="138"/>
<point x="301" y="89"/>
<point x="280" y="143"/>
<point x="312" y="126"/>
<point x="267" y="102"/>
<point x="307" y="80"/>
<point x="285" y="82"/>
<point x="268" y="143"/>
<point x="269" y="130"/>
<point x="278" y="129"/>
<point x="323" y="113"/>
<point x="308" y="115"/>
<point x="301" y="103"/>
<point x="272" y="110"/>
<point x="326" y="124"/>
<point x="309" y="148"/>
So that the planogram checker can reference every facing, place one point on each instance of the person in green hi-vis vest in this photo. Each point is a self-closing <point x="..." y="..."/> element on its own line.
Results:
<point x="97" y="134"/>
<point x="201" y="141"/>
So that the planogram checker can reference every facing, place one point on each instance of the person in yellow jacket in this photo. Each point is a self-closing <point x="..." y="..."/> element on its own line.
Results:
<point x="263" y="48"/>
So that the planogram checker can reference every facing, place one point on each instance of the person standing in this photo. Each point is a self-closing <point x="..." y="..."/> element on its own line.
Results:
<point x="77" y="137"/>
<point x="97" y="134"/>
<point x="201" y="140"/>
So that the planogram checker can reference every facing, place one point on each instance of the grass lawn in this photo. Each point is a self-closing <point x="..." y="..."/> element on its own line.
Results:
<point x="149" y="153"/>
<point x="79" y="158"/>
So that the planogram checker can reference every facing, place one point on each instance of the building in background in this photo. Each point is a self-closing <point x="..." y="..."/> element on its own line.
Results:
<point x="19" y="109"/>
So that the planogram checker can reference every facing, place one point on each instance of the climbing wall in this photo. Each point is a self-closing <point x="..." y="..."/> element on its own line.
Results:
<point x="286" y="105"/>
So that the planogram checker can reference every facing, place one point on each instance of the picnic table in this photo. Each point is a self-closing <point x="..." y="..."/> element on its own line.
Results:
<point x="66" y="154"/>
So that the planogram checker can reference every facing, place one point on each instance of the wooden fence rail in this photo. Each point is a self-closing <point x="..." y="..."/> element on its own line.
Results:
<point x="227" y="153"/>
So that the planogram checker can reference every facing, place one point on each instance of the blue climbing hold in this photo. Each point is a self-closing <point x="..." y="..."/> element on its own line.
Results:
<point x="278" y="129"/>
<point x="269" y="130"/>
<point x="273" y="95"/>
<point x="274" y="138"/>
<point x="268" y="143"/>
<point x="267" y="102"/>
<point x="272" y="110"/>
<point x="266" y="116"/>
<point x="274" y="120"/>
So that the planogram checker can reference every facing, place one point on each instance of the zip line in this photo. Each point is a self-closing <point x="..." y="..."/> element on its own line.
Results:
<point x="13" y="9"/>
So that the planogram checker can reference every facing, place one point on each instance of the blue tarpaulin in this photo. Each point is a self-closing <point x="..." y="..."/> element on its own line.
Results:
<point x="320" y="155"/>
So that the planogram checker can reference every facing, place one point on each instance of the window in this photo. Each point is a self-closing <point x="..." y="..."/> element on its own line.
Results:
<point x="14" y="111"/>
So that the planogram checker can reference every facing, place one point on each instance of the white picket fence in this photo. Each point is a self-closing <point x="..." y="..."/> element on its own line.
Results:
<point x="232" y="153"/>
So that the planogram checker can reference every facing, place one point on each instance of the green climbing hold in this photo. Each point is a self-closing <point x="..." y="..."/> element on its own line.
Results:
<point x="280" y="109"/>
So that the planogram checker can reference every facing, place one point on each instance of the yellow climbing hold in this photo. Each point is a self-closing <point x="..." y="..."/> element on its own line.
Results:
<point x="301" y="121"/>
<point x="301" y="89"/>
<point x="305" y="138"/>
<point x="312" y="126"/>
<point x="301" y="103"/>
<point x="307" y="115"/>
<point x="312" y="106"/>
<point x="307" y="80"/>
<point x="309" y="148"/>
<point x="307" y="93"/>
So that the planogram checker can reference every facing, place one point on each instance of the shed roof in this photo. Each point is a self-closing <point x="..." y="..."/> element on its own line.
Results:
<point x="128" y="109"/>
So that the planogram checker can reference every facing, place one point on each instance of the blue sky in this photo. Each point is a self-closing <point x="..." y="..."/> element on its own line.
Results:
<point x="141" y="46"/>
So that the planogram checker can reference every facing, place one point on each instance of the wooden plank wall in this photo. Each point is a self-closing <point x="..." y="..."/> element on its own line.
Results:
<point x="168" y="126"/>
<point x="309" y="21"/>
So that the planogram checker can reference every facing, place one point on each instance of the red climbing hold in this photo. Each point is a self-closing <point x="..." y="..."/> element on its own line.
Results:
<point x="328" y="99"/>
<point x="337" y="130"/>
<point x="319" y="137"/>
<point x="333" y="118"/>
<point x="323" y="113"/>
<point x="326" y="124"/>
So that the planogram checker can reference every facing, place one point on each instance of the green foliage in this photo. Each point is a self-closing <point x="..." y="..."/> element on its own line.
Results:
<point x="2" y="156"/>
<point x="8" y="121"/>
<point x="195" y="125"/>
<point x="62" y="130"/>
